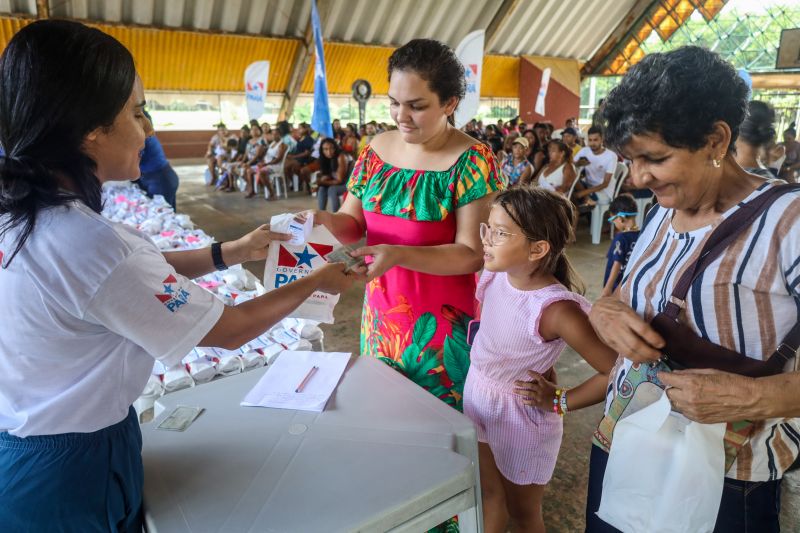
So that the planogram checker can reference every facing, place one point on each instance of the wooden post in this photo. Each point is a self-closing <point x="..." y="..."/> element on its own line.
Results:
<point x="42" y="9"/>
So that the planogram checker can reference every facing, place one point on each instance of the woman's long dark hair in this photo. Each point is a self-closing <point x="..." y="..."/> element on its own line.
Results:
<point x="327" y="166"/>
<point x="59" y="81"/>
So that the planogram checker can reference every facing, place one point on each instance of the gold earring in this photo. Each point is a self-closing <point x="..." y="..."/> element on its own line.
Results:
<point x="716" y="162"/>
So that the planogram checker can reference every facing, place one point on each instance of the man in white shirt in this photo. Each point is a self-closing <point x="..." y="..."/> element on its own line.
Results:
<point x="599" y="165"/>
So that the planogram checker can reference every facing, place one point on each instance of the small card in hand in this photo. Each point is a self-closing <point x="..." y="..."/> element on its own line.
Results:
<point x="180" y="418"/>
<point x="342" y="255"/>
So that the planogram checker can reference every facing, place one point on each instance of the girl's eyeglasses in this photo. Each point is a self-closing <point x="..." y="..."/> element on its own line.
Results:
<point x="494" y="237"/>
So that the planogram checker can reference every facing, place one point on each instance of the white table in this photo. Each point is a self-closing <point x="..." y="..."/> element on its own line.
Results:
<point x="385" y="455"/>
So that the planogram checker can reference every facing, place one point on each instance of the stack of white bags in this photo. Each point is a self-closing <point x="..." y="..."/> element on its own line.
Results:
<point x="126" y="203"/>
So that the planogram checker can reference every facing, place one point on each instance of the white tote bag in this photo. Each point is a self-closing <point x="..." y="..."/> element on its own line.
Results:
<point x="665" y="473"/>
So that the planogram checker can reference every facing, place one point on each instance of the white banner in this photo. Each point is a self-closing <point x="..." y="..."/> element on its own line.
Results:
<point x="470" y="52"/>
<point x="542" y="92"/>
<point x="255" y="88"/>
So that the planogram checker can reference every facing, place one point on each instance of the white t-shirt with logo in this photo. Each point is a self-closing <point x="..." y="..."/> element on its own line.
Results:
<point x="88" y="305"/>
<point x="599" y="165"/>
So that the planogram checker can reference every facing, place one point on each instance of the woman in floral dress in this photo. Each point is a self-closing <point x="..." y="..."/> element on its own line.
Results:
<point x="419" y="194"/>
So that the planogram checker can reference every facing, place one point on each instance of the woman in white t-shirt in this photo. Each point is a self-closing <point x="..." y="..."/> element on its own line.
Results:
<point x="559" y="173"/>
<point x="88" y="304"/>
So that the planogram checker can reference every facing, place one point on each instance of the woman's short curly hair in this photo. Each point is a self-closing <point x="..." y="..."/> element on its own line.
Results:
<point x="678" y="95"/>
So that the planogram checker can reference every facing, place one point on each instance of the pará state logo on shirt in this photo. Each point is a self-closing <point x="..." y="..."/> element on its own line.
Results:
<point x="294" y="265"/>
<point x="174" y="297"/>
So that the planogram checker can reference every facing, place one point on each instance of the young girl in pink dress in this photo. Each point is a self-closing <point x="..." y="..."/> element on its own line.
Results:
<point x="530" y="313"/>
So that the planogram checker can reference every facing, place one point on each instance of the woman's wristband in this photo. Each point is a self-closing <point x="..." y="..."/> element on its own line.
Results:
<point x="216" y="256"/>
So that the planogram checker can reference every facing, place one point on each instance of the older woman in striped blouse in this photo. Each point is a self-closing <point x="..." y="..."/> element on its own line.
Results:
<point x="676" y="116"/>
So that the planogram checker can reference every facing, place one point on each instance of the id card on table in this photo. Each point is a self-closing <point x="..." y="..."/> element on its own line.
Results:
<point x="180" y="418"/>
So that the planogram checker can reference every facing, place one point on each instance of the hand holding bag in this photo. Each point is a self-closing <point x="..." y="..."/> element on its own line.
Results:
<point x="676" y="485"/>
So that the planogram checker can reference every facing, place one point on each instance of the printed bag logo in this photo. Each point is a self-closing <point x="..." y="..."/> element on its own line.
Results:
<point x="174" y="297"/>
<point x="294" y="265"/>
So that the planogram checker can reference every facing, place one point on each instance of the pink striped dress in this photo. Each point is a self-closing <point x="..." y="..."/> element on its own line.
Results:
<point x="524" y="440"/>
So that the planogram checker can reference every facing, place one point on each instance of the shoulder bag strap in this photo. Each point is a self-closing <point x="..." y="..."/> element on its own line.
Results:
<point x="720" y="239"/>
<point x="723" y="235"/>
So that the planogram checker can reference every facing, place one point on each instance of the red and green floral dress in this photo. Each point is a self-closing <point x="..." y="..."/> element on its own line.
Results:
<point x="415" y="322"/>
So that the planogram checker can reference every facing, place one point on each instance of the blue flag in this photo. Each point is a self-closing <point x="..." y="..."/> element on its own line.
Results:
<point x="321" y="118"/>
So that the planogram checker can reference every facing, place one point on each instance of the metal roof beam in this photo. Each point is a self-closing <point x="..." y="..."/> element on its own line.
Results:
<point x="620" y="33"/>
<point x="501" y="17"/>
<point x="302" y="60"/>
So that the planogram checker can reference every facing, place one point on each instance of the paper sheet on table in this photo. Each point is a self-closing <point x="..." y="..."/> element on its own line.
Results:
<point x="276" y="388"/>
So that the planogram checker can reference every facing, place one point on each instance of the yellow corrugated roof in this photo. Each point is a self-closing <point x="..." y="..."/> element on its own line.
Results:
<point x="176" y="60"/>
<point x="10" y="26"/>
<point x="345" y="63"/>
<point x="191" y="61"/>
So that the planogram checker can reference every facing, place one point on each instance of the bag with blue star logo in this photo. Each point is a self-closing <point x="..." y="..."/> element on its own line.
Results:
<point x="289" y="262"/>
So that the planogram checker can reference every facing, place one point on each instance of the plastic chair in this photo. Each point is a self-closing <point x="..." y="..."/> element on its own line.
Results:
<point x="572" y="187"/>
<point x="279" y="177"/>
<point x="597" y="212"/>
<point x="642" y="205"/>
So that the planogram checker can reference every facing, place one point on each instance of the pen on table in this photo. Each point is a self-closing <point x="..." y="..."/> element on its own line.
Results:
<point x="306" y="379"/>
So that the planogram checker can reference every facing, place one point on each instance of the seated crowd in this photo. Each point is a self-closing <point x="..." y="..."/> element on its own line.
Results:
<point x="266" y="157"/>
<point x="569" y="161"/>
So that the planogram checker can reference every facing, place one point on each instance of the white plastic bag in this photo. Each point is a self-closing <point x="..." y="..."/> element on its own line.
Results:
<point x="287" y="263"/>
<point x="665" y="473"/>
